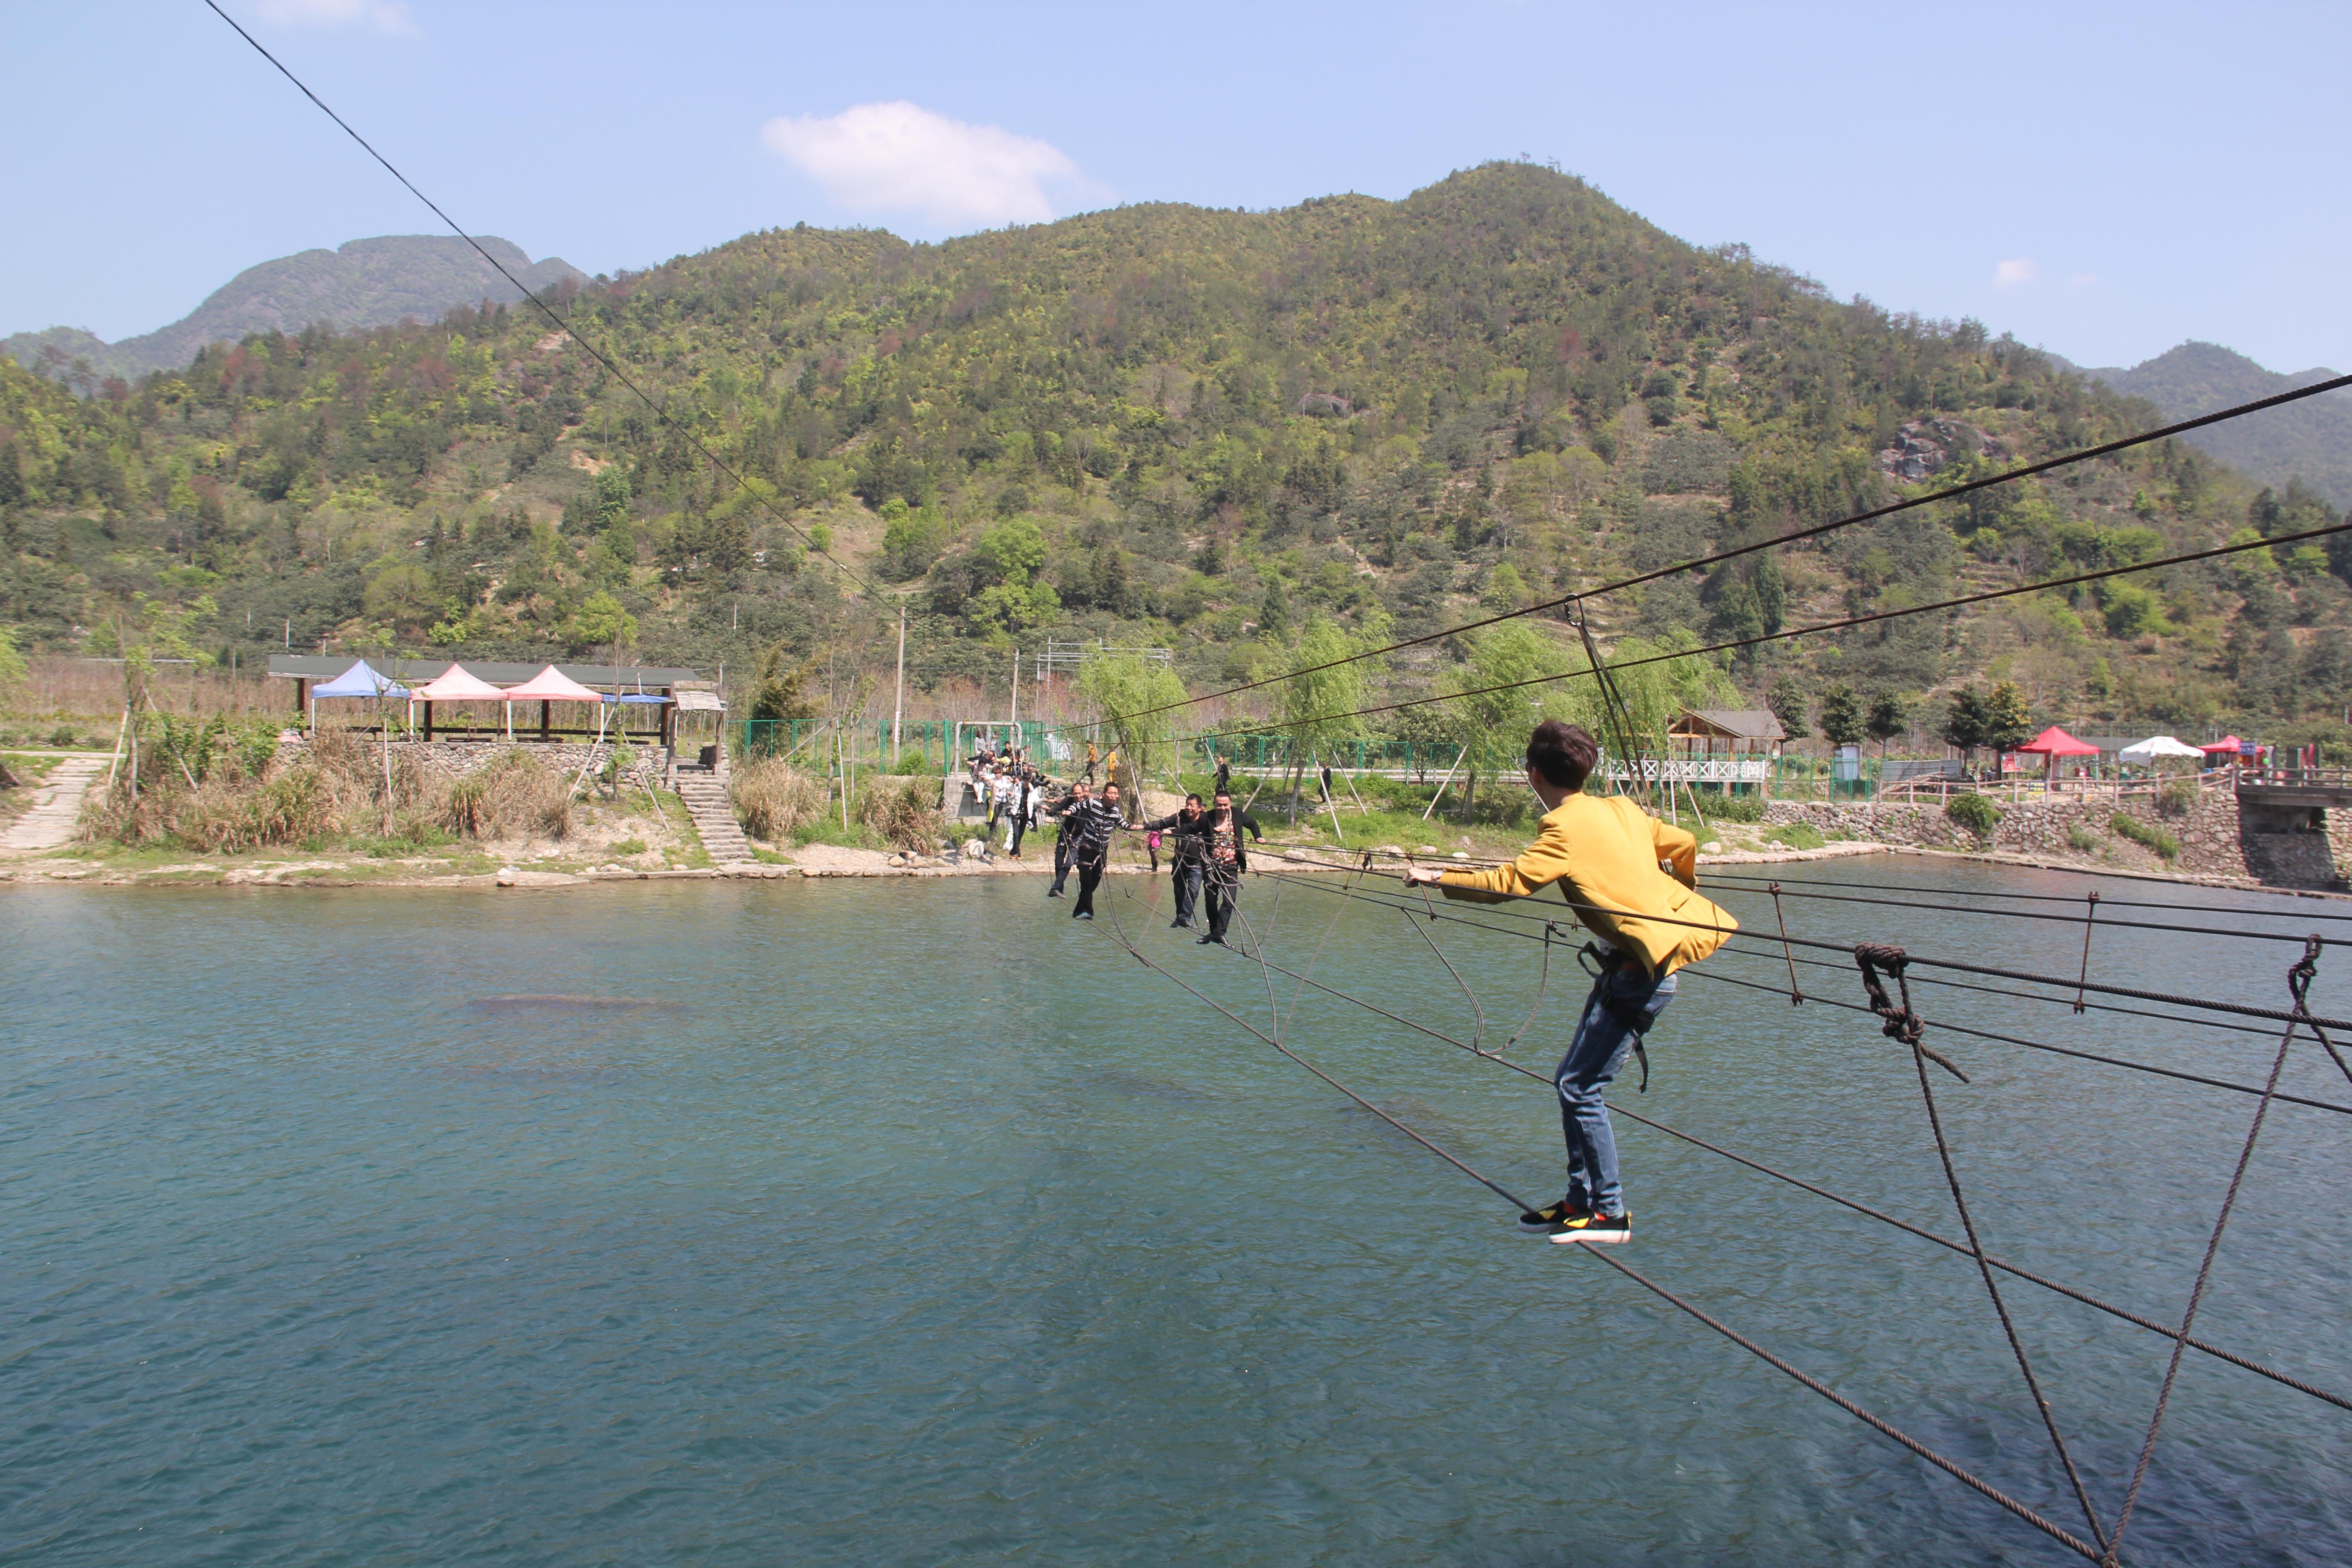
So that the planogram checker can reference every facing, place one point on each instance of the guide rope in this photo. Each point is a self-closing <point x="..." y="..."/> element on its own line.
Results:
<point x="2073" y="1293"/>
<point x="1903" y="1024"/>
<point x="2298" y="985"/>
<point x="2021" y="1509"/>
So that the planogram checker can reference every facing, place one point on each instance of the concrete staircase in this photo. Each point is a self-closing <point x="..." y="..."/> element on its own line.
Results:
<point x="707" y="802"/>
<point x="48" y="823"/>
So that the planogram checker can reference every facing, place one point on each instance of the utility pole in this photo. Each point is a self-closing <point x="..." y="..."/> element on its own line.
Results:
<point x="898" y="705"/>
<point x="1014" y="742"/>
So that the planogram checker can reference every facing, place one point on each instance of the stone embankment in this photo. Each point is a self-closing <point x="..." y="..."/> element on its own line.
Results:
<point x="2079" y="830"/>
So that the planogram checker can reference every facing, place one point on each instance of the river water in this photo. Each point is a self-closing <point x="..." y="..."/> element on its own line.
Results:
<point x="888" y="1222"/>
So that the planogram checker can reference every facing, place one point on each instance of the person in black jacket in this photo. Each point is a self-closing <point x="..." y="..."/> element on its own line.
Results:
<point x="1091" y="826"/>
<point x="1080" y="798"/>
<point x="1184" y="861"/>
<point x="1224" y="859"/>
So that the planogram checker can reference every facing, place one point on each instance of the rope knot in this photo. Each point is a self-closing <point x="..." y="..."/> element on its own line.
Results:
<point x="1899" y="1023"/>
<point x="2299" y="978"/>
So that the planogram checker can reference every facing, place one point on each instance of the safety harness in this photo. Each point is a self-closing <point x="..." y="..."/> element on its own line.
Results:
<point x="1604" y="961"/>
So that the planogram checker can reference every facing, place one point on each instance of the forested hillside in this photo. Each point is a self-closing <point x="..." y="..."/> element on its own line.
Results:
<point x="1214" y="431"/>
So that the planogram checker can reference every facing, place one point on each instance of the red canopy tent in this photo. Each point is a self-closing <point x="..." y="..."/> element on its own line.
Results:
<point x="2056" y="742"/>
<point x="2229" y="743"/>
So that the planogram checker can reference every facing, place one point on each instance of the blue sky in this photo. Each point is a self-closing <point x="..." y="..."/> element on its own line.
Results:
<point x="2103" y="180"/>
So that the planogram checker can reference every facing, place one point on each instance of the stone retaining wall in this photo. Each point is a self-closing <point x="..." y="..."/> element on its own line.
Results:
<point x="455" y="759"/>
<point x="2213" y="842"/>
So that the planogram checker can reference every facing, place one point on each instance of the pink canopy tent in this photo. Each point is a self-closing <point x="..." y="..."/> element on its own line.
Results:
<point x="552" y="685"/>
<point x="2056" y="742"/>
<point x="458" y="684"/>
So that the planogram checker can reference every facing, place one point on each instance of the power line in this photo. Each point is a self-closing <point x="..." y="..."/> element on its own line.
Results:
<point x="561" y="325"/>
<point x="1699" y="563"/>
<point x="1736" y="644"/>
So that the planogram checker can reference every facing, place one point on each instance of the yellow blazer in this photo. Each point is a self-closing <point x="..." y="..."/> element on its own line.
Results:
<point x="1605" y="853"/>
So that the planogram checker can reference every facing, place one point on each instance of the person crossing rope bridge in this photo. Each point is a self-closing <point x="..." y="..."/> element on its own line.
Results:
<point x="1214" y="841"/>
<point x="1620" y="863"/>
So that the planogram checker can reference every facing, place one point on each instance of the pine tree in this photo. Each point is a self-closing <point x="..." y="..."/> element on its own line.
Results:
<point x="1787" y="700"/>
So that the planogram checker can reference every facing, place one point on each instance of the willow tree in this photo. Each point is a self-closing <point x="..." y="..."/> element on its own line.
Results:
<point x="1491" y="705"/>
<point x="1325" y="680"/>
<point x="1138" y="700"/>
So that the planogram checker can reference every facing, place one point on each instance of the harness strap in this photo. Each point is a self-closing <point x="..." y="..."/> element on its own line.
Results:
<point x="1637" y="1021"/>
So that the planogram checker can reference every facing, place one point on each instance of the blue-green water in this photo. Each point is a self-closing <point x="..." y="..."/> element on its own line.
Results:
<point x="912" y="1221"/>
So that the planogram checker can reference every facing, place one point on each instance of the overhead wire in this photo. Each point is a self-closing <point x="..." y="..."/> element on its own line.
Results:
<point x="2148" y="1067"/>
<point x="2006" y="476"/>
<point x="1735" y="645"/>
<point x="1727" y="874"/>
<point x="660" y="410"/>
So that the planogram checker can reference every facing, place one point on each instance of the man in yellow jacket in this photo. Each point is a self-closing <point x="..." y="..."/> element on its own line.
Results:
<point x="1629" y="878"/>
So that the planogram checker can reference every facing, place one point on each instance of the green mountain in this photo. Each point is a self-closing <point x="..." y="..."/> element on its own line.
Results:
<point x="1224" y="433"/>
<point x="366" y="283"/>
<point x="2310" y="441"/>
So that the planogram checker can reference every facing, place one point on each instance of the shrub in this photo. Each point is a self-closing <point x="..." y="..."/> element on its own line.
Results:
<point x="512" y="793"/>
<point x="2176" y="798"/>
<point x="1796" y="835"/>
<point x="63" y="735"/>
<point x="2138" y="832"/>
<point x="904" y="812"/>
<point x="772" y="798"/>
<point x="1733" y="808"/>
<point x="2081" y="839"/>
<point x="627" y="847"/>
<point x="1975" y="813"/>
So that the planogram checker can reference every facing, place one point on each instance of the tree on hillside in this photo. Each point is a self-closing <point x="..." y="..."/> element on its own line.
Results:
<point x="1492" y="726"/>
<point x="1787" y="700"/>
<point x="1888" y="717"/>
<point x="1964" y="723"/>
<point x="782" y="694"/>
<point x="1840" y="715"/>
<point x="1319" y="704"/>
<point x="1126" y="688"/>
<point x="2009" y="724"/>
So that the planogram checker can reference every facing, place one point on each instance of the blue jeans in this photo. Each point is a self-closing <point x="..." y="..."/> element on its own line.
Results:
<point x="1602" y="1039"/>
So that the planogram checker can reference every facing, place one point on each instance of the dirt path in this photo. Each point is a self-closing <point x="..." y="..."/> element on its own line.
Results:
<point x="48" y="823"/>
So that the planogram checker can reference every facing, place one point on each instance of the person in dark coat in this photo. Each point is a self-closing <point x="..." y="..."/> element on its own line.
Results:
<point x="1080" y="798"/>
<point x="1090" y="827"/>
<point x="1224" y="859"/>
<point x="1184" y="861"/>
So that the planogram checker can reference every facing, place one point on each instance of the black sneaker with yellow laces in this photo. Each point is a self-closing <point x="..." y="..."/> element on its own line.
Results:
<point x="1600" y="1229"/>
<point x="1547" y="1221"/>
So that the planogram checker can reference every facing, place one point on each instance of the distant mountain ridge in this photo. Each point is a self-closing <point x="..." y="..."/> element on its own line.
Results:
<point x="364" y="283"/>
<point x="2310" y="440"/>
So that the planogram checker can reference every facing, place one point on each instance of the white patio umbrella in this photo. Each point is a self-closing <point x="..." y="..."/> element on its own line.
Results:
<point x="2145" y="752"/>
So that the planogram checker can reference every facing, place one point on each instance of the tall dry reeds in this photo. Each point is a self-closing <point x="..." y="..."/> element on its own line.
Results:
<point x="511" y="794"/>
<point x="775" y="799"/>
<point x="339" y="785"/>
<point x="904" y="812"/>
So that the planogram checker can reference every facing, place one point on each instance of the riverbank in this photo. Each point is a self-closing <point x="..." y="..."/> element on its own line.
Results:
<point x="827" y="861"/>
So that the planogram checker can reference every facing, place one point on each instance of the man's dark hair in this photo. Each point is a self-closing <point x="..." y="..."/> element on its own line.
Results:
<point x="1191" y="800"/>
<point x="1563" y="754"/>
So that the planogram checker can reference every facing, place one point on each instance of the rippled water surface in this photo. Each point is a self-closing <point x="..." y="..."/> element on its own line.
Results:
<point x="891" y="1222"/>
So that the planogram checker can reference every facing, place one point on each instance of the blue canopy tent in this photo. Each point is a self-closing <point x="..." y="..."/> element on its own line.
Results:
<point x="363" y="679"/>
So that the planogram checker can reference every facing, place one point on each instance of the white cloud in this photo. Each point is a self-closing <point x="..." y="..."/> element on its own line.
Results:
<point x="384" y="16"/>
<point x="901" y="157"/>
<point x="2010" y="274"/>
